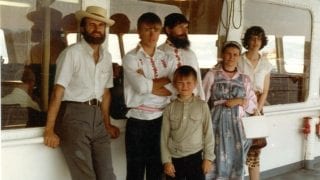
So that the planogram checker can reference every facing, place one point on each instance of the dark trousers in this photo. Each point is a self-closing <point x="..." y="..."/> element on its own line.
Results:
<point x="143" y="149"/>
<point x="188" y="168"/>
<point x="85" y="142"/>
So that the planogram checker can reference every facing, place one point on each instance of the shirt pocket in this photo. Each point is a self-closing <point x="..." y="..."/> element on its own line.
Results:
<point x="105" y="76"/>
<point x="104" y="73"/>
<point x="175" y="123"/>
<point x="196" y="118"/>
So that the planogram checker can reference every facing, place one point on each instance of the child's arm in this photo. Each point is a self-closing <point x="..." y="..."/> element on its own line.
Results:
<point x="206" y="166"/>
<point x="169" y="169"/>
<point x="165" y="153"/>
<point x="208" y="136"/>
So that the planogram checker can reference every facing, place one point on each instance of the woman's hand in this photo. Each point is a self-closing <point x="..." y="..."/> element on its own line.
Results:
<point x="236" y="101"/>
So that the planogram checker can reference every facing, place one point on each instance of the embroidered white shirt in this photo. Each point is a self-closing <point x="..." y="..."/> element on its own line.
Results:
<point x="139" y="71"/>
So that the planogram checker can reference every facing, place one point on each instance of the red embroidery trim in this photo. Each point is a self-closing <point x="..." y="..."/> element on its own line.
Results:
<point x="154" y="68"/>
<point x="176" y="53"/>
<point x="164" y="63"/>
<point x="178" y="57"/>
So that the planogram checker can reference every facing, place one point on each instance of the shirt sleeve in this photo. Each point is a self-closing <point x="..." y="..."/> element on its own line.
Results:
<point x="250" y="96"/>
<point x="268" y="66"/>
<point x="65" y="68"/>
<point x="165" y="131"/>
<point x="207" y="84"/>
<point x="208" y="137"/>
<point x="137" y="81"/>
<point x="109" y="80"/>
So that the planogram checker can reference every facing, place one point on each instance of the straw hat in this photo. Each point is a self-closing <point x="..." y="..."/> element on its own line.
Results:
<point x="96" y="13"/>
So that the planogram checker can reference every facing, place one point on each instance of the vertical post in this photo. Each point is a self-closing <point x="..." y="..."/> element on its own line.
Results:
<point x="46" y="60"/>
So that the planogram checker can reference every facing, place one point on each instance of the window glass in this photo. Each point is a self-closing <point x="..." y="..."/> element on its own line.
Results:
<point x="131" y="41"/>
<point x="24" y="49"/>
<point x="293" y="53"/>
<point x="114" y="48"/>
<point x="204" y="46"/>
<point x="25" y="24"/>
<point x="269" y="51"/>
<point x="71" y="38"/>
<point x="290" y="49"/>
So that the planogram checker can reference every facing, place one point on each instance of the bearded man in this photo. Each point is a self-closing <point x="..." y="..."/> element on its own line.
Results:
<point x="177" y="46"/>
<point x="78" y="116"/>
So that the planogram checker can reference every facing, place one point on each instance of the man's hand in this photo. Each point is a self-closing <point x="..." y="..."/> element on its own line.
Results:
<point x="206" y="166"/>
<point x="160" y="82"/>
<point x="51" y="139"/>
<point x="161" y="92"/>
<point x="169" y="169"/>
<point x="113" y="131"/>
<point x="158" y="87"/>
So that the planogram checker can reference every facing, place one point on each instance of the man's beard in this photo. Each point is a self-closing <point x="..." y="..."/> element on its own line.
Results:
<point x="93" y="40"/>
<point x="181" y="41"/>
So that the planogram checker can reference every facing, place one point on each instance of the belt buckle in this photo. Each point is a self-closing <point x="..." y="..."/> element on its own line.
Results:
<point x="93" y="102"/>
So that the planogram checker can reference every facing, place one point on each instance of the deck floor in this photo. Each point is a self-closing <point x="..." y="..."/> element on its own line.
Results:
<point x="302" y="174"/>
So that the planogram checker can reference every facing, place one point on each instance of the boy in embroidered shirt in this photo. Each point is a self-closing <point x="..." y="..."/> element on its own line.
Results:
<point x="146" y="72"/>
<point x="187" y="142"/>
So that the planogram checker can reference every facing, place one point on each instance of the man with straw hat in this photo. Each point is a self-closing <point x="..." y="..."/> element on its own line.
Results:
<point x="78" y="116"/>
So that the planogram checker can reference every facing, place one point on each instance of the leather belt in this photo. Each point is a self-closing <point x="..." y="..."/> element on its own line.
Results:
<point x="91" y="102"/>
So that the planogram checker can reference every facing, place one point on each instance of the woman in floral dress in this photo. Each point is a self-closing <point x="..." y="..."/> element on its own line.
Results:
<point x="230" y="97"/>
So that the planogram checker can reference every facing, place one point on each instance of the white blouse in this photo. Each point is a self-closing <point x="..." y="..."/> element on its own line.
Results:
<point x="257" y="74"/>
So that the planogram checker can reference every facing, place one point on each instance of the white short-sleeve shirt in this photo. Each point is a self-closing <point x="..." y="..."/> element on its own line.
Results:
<point x="257" y="74"/>
<point x="80" y="76"/>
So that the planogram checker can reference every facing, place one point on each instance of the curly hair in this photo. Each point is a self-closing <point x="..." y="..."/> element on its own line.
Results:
<point x="254" y="31"/>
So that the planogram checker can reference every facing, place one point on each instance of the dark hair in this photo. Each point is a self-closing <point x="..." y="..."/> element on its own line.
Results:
<point x="148" y="18"/>
<point x="27" y="75"/>
<point x="229" y="44"/>
<point x="184" y="71"/>
<point x="174" y="19"/>
<point x="254" y="31"/>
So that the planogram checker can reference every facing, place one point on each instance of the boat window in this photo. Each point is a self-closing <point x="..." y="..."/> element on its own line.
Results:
<point x="26" y="51"/>
<point x="203" y="16"/>
<point x="114" y="48"/>
<point x="293" y="53"/>
<point x="269" y="51"/>
<point x="24" y="42"/>
<point x="288" y="48"/>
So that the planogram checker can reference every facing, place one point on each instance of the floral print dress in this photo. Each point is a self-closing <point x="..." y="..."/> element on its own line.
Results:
<point x="231" y="145"/>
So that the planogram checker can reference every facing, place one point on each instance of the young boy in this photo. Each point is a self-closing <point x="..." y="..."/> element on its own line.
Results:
<point x="187" y="142"/>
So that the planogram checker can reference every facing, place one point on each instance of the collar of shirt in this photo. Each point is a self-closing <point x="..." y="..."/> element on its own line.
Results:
<point x="247" y="61"/>
<point x="89" y="49"/>
<point x="225" y="73"/>
<point x="140" y="50"/>
<point x="192" y="98"/>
